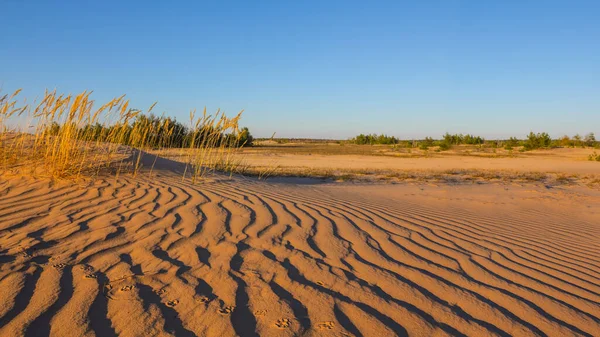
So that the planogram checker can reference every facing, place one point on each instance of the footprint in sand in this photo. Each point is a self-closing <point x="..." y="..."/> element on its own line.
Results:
<point x="92" y="276"/>
<point x="282" y="323"/>
<point x="59" y="266"/>
<point x="203" y="299"/>
<point x="127" y="288"/>
<point x="227" y="310"/>
<point x="320" y="283"/>
<point x="260" y="313"/>
<point x="326" y="325"/>
<point x="159" y="291"/>
<point x="172" y="303"/>
<point x="86" y="268"/>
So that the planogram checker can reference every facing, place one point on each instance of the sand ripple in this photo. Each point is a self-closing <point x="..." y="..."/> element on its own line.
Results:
<point x="156" y="256"/>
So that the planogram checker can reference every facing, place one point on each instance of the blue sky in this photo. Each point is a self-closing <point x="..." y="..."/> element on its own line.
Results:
<point x="327" y="69"/>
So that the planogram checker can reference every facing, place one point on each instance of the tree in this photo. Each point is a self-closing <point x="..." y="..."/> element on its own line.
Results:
<point x="536" y="141"/>
<point x="245" y="137"/>
<point x="565" y="141"/>
<point x="589" y="139"/>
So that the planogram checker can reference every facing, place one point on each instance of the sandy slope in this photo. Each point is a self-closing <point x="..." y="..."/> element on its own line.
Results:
<point x="155" y="256"/>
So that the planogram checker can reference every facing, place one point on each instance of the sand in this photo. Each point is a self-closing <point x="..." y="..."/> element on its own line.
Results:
<point x="567" y="161"/>
<point x="155" y="256"/>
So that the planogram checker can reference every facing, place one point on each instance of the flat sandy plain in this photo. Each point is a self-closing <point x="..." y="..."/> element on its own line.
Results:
<point x="383" y="163"/>
<point x="158" y="256"/>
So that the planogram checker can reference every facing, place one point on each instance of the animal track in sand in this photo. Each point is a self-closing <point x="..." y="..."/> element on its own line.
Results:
<point x="260" y="313"/>
<point x="93" y="276"/>
<point x="127" y="288"/>
<point x="282" y="323"/>
<point x="227" y="310"/>
<point x="203" y="299"/>
<point x="59" y="266"/>
<point x="172" y="303"/>
<point x="481" y="294"/>
<point x="328" y="325"/>
<point x="86" y="268"/>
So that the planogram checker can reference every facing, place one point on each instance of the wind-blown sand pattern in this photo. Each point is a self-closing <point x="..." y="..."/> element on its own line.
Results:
<point x="158" y="256"/>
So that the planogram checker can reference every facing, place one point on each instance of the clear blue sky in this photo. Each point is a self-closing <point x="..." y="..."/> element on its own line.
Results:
<point x="327" y="69"/>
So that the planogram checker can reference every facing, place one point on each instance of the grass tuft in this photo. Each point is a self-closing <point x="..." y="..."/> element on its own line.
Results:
<point x="67" y="137"/>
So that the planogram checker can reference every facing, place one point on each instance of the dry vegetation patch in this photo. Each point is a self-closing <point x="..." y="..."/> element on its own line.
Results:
<point x="68" y="136"/>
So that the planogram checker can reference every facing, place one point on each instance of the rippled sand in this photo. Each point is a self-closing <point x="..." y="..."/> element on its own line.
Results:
<point x="154" y="255"/>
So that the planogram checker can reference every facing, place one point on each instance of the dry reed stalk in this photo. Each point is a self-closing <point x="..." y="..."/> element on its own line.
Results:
<point x="65" y="137"/>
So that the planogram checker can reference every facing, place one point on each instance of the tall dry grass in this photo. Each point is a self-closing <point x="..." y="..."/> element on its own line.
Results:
<point x="67" y="136"/>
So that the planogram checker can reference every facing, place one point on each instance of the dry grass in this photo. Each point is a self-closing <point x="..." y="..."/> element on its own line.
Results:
<point x="58" y="137"/>
<point x="456" y="176"/>
<point x="341" y="148"/>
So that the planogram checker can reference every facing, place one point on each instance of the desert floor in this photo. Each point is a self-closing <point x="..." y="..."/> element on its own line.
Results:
<point x="154" y="255"/>
<point x="365" y="159"/>
<point x="461" y="164"/>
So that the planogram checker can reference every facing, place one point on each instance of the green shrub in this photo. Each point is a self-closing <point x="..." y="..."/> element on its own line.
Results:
<point x="458" y="139"/>
<point x="428" y="141"/>
<point x="444" y="146"/>
<point x="537" y="141"/>
<point x="589" y="139"/>
<point x="373" y="139"/>
<point x="163" y="132"/>
<point x="245" y="137"/>
<point x="511" y="142"/>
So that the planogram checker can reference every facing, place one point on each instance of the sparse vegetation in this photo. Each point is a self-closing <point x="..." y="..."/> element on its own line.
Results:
<point x="444" y="146"/>
<point x="537" y="141"/>
<point x="68" y="138"/>
<point x="458" y="139"/>
<point x="590" y="139"/>
<point x="374" y="139"/>
<point x="531" y="142"/>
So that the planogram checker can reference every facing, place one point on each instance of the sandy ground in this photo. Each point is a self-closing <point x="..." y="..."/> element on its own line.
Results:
<point x="155" y="256"/>
<point x="570" y="161"/>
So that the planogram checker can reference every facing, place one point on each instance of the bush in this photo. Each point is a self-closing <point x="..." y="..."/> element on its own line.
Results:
<point x="510" y="143"/>
<point x="590" y="139"/>
<point x="160" y="132"/>
<point x="245" y="137"/>
<point x="458" y="139"/>
<point x="428" y="141"/>
<point x="373" y="139"/>
<point x="444" y="146"/>
<point x="537" y="141"/>
<point x="594" y="157"/>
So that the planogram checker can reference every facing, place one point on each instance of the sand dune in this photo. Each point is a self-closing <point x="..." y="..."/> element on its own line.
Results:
<point x="154" y="255"/>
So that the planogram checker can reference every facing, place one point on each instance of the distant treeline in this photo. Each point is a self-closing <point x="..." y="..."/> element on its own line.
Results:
<point x="158" y="132"/>
<point x="373" y="139"/>
<point x="532" y="141"/>
<point x="382" y="139"/>
<point x="297" y="140"/>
